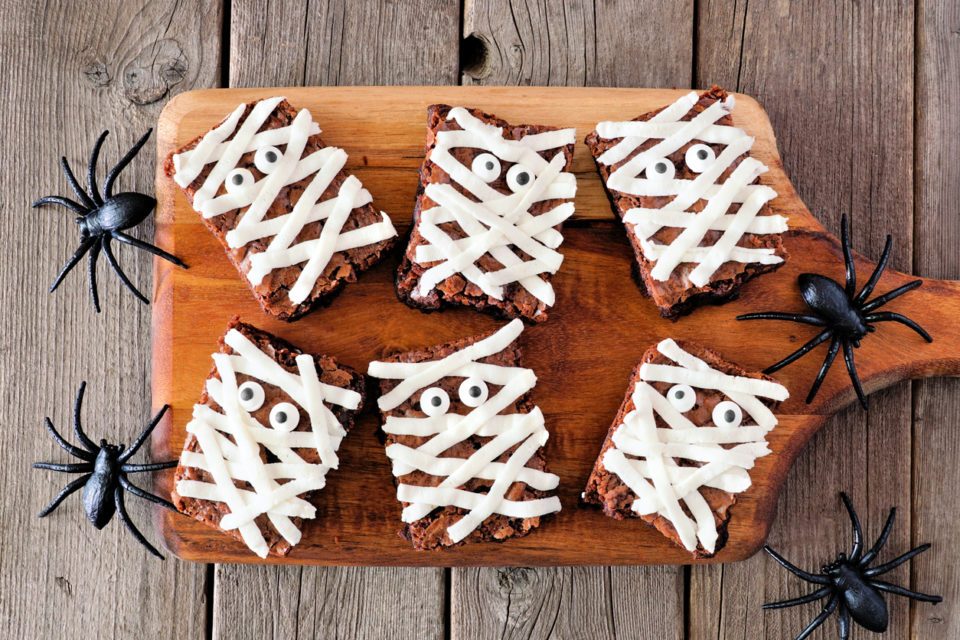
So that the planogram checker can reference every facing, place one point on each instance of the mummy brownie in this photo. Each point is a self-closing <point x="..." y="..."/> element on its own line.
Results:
<point x="263" y="436"/>
<point x="466" y="441"/>
<point x="487" y="221"/>
<point x="683" y="443"/>
<point x="683" y="183"/>
<point x="293" y="222"/>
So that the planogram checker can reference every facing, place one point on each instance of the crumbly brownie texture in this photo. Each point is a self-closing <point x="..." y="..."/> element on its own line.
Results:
<point x="329" y="371"/>
<point x="517" y="301"/>
<point x="678" y="296"/>
<point x="273" y="290"/>
<point x="430" y="532"/>
<point x="612" y="493"/>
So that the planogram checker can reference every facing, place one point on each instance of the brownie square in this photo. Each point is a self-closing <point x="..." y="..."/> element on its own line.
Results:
<point x="268" y="399"/>
<point x="648" y="195"/>
<point x="699" y="409"/>
<point x="307" y="269"/>
<point x="485" y="165"/>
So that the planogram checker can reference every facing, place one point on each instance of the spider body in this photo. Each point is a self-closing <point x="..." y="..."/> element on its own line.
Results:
<point x="104" y="218"/>
<point x="104" y="480"/>
<point x="845" y="315"/>
<point x="850" y="584"/>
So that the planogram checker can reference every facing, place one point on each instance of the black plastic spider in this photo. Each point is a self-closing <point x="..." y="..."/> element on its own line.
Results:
<point x="105" y="472"/>
<point x="852" y="587"/>
<point x="105" y="218"/>
<point x="847" y="318"/>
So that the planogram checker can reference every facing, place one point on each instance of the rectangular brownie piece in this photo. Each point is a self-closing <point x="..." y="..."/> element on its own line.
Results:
<point x="263" y="436"/>
<point x="680" y="449"/>
<point x="294" y="223"/>
<point x="465" y="440"/>
<point x="490" y="206"/>
<point x="683" y="183"/>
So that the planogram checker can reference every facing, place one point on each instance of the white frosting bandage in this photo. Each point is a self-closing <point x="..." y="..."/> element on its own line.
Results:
<point x="641" y="176"/>
<point x="525" y="431"/>
<point x="496" y="224"/>
<point x="645" y="455"/>
<point x="276" y="486"/>
<point x="281" y="168"/>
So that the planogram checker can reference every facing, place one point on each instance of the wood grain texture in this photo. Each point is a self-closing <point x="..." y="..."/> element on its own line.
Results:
<point x="66" y="78"/>
<point x="936" y="447"/>
<point x="846" y="138"/>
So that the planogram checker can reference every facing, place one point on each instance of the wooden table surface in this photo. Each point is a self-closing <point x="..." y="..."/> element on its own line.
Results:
<point x="864" y="100"/>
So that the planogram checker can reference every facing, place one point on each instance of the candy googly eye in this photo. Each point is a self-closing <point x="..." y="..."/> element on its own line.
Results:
<point x="699" y="157"/>
<point x="660" y="169"/>
<point x="473" y="392"/>
<point x="434" y="402"/>
<point x="284" y="417"/>
<point x="519" y="178"/>
<point x="267" y="158"/>
<point x="682" y="397"/>
<point x="251" y="395"/>
<point x="727" y="414"/>
<point x="487" y="167"/>
<point x="238" y="180"/>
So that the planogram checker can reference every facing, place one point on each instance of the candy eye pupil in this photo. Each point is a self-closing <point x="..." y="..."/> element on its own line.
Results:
<point x="678" y="394"/>
<point x="270" y="156"/>
<point x="436" y="401"/>
<point x="702" y="154"/>
<point x="489" y="166"/>
<point x="237" y="179"/>
<point x="280" y="417"/>
<point x="475" y="391"/>
<point x="661" y="167"/>
<point x="523" y="178"/>
<point x="729" y="415"/>
<point x="246" y="394"/>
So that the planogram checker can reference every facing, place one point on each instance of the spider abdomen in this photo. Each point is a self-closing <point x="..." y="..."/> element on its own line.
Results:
<point x="124" y="210"/>
<point x="827" y="299"/>
<point x="98" y="492"/>
<point x="866" y="606"/>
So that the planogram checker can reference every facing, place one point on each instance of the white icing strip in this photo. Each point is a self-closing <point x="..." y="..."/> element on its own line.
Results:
<point x="522" y="434"/>
<point x="670" y="134"/>
<point x="231" y="443"/>
<point x="256" y="198"/>
<point x="725" y="453"/>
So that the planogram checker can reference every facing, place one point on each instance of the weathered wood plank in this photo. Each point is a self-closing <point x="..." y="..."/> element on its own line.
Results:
<point x="292" y="43"/>
<point x="573" y="44"/>
<point x="844" y="143"/>
<point x="67" y="77"/>
<point x="937" y="402"/>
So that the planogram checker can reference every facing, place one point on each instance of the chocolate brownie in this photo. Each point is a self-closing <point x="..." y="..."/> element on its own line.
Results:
<point x="365" y="236"/>
<point x="492" y="161"/>
<point x="265" y="411"/>
<point x="608" y="489"/>
<point x="430" y="532"/>
<point x="675" y="294"/>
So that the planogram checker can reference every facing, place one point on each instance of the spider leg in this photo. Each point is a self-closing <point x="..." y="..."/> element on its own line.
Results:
<point x="800" y="573"/>
<point x="890" y="295"/>
<point x="77" y="425"/>
<point x="122" y="510"/>
<point x="844" y="623"/>
<point x="802" y="351"/>
<point x="875" y="276"/>
<point x="810" y="597"/>
<point x="66" y="446"/>
<point x="140" y="244"/>
<point x="847" y="257"/>
<point x="882" y="540"/>
<point x="907" y="593"/>
<point x="896" y="562"/>
<point x="77" y="189"/>
<point x="78" y="254"/>
<point x="827" y="610"/>
<point x="852" y="370"/>
<point x="156" y="466"/>
<point x="132" y="449"/>
<point x="857" y="529"/>
<point x="824" y="368"/>
<point x="79" y="467"/>
<point x="774" y="315"/>
<point x="66" y="491"/>
<point x="886" y="316"/>
<point x="137" y="491"/>
<point x="92" y="271"/>
<point x="92" y="169"/>
<point x="67" y="202"/>
<point x="124" y="161"/>
<point x="105" y="243"/>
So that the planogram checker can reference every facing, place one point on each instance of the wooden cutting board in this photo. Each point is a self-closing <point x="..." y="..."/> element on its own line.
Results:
<point x="583" y="355"/>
